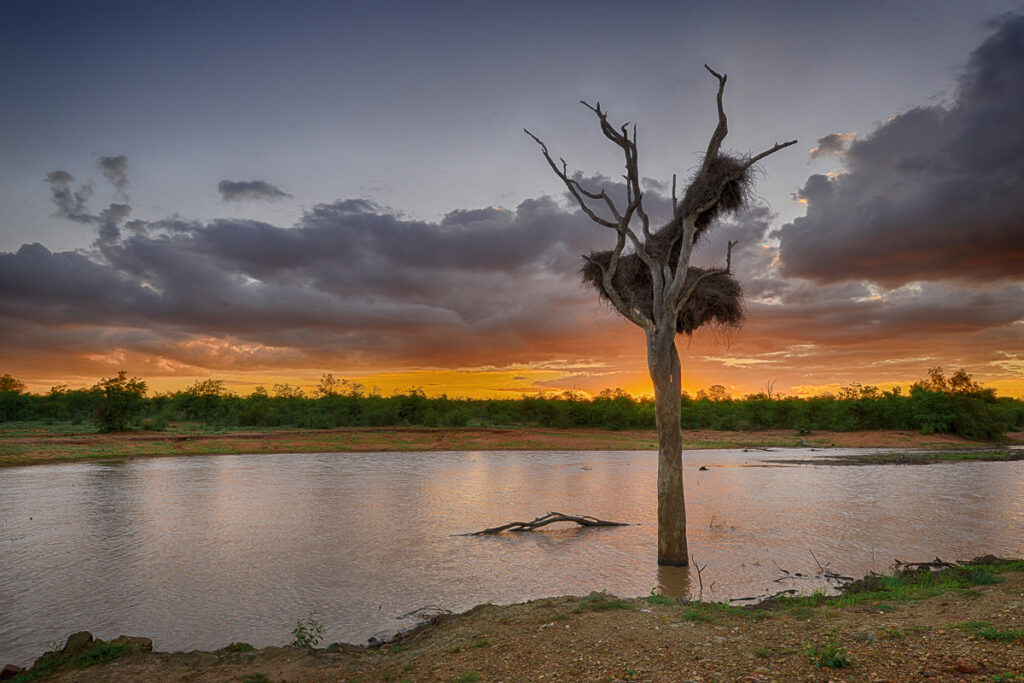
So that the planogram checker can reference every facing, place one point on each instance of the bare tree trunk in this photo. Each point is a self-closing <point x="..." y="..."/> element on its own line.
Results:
<point x="663" y="363"/>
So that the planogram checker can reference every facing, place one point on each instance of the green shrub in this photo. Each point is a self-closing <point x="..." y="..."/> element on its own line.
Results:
<point x="308" y="632"/>
<point x="829" y="656"/>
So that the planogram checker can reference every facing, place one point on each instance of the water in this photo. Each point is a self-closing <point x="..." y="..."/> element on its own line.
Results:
<point x="197" y="552"/>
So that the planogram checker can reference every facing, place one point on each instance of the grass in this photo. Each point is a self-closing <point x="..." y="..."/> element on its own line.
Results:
<point x="988" y="631"/>
<point x="601" y="602"/>
<point x="255" y="678"/>
<point x="888" y="591"/>
<point x="712" y="611"/>
<point x="467" y="677"/>
<point x="239" y="647"/>
<point x="656" y="598"/>
<point x="98" y="652"/>
<point x="829" y="655"/>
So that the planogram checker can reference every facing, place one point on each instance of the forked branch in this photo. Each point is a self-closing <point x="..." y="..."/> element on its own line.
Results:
<point x="549" y="518"/>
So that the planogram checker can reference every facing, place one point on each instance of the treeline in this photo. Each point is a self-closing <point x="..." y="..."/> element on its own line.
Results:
<point x="937" y="404"/>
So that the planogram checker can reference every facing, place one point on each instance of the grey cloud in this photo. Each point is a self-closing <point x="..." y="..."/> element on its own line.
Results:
<point x="115" y="169"/>
<point x="70" y="202"/>
<point x="259" y="190"/>
<point x="833" y="144"/>
<point x="933" y="194"/>
<point x="350" y="278"/>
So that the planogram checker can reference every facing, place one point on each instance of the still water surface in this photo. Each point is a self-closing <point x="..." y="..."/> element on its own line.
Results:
<point x="197" y="552"/>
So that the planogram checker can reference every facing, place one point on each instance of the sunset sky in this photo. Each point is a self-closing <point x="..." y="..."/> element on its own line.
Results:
<point x="263" y="192"/>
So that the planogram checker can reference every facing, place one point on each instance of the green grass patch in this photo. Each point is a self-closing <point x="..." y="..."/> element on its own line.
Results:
<point x="988" y="631"/>
<point x="239" y="647"/>
<point x="713" y="611"/>
<point x="829" y="655"/>
<point x="97" y="653"/>
<point x="101" y="653"/>
<point x="255" y="678"/>
<point x="656" y="598"/>
<point x="890" y="590"/>
<point x="601" y="602"/>
<point x="467" y="677"/>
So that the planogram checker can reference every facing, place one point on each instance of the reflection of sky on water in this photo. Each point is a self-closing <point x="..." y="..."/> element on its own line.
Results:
<point x="195" y="551"/>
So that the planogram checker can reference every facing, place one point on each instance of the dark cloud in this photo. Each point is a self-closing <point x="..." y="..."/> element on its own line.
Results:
<point x="70" y="202"/>
<point x="241" y="190"/>
<point x="115" y="169"/>
<point x="934" y="193"/>
<point x="833" y="144"/>
<point x="349" y="280"/>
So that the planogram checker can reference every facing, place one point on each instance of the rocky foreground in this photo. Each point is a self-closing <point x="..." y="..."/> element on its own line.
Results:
<point x="964" y="623"/>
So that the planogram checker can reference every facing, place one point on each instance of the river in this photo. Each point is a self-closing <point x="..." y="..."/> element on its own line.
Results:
<point x="197" y="552"/>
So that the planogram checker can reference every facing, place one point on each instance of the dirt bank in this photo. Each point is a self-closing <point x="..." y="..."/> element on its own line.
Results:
<point x="40" y="444"/>
<point x="967" y="627"/>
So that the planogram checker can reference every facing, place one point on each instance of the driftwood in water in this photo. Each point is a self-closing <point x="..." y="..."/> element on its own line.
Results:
<point x="549" y="518"/>
<point x="917" y="566"/>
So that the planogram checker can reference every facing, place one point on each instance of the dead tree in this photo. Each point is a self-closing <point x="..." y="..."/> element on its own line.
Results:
<point x="648" y="278"/>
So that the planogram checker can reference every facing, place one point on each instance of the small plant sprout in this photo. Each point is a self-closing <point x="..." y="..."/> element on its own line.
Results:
<point x="308" y="632"/>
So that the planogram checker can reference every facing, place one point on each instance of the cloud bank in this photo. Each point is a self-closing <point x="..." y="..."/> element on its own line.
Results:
<point x="908" y="258"/>
<point x="933" y="194"/>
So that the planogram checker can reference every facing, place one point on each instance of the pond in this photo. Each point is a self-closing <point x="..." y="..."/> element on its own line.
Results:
<point x="197" y="552"/>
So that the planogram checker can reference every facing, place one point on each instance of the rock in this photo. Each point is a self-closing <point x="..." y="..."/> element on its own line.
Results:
<point x="10" y="671"/>
<point x="207" y="659"/>
<point x="77" y="642"/>
<point x="965" y="667"/>
<point x="137" y="642"/>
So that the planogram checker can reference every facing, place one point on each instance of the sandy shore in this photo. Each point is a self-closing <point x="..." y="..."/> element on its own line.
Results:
<point x="39" y="444"/>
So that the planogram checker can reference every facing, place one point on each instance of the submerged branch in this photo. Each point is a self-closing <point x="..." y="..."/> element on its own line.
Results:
<point x="549" y="518"/>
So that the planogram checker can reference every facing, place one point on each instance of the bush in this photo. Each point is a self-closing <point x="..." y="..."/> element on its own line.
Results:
<point x="119" y="402"/>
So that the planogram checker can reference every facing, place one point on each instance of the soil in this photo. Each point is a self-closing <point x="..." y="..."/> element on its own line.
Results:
<point x="40" y="445"/>
<point x="570" y="639"/>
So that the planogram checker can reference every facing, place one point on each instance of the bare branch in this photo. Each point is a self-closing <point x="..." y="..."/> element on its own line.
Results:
<point x="574" y="187"/>
<point x="721" y="130"/>
<point x="728" y="255"/>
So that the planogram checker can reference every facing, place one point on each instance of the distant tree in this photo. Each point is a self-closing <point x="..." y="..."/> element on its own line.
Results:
<point x="120" y="401"/>
<point x="653" y="285"/>
<point x="202" y="398"/>
<point x="328" y="386"/>
<point x="11" y="385"/>
<point x="288" y="391"/>
<point x="15" y="403"/>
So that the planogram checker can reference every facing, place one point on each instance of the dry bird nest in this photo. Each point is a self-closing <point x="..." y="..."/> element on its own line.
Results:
<point x="718" y="298"/>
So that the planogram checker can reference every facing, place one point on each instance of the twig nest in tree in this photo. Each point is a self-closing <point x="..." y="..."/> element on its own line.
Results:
<point x="718" y="298"/>
<point x="702" y="190"/>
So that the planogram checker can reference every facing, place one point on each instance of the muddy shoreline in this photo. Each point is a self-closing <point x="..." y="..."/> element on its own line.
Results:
<point x="39" y="444"/>
<point x="964" y="623"/>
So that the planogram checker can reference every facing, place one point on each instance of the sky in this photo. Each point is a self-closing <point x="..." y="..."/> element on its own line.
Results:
<point x="263" y="192"/>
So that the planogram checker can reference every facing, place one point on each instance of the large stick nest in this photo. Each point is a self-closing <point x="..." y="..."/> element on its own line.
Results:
<point x="718" y="299"/>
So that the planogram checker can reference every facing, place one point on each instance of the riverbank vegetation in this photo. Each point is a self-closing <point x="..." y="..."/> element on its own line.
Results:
<point x="935" y="405"/>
